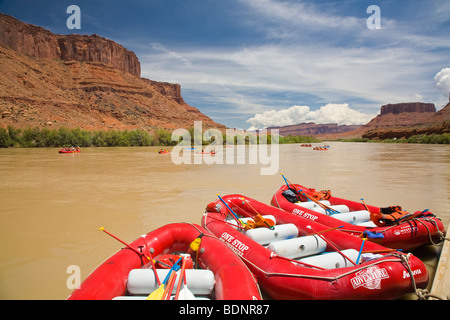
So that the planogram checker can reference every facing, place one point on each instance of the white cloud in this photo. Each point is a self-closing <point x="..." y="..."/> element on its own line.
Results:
<point x="330" y="113"/>
<point x="442" y="81"/>
<point x="322" y="55"/>
<point x="240" y="75"/>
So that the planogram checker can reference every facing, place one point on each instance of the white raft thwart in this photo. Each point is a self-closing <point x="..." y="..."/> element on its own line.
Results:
<point x="340" y="208"/>
<point x="264" y="236"/>
<point x="143" y="281"/>
<point x="332" y="260"/>
<point x="344" y="213"/>
<point x="298" y="247"/>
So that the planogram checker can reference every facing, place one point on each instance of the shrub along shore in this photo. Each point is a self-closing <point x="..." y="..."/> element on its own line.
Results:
<point x="63" y="137"/>
<point x="443" y="138"/>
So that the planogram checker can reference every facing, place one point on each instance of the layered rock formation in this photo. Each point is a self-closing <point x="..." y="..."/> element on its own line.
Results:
<point x="41" y="43"/>
<point x="407" y="119"/>
<point x="313" y="129"/>
<point x="400" y="120"/>
<point x="82" y="81"/>
<point x="408" y="108"/>
<point x="402" y="115"/>
<point x="435" y="123"/>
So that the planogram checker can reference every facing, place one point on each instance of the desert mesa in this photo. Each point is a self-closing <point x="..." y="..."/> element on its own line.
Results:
<point x="80" y="81"/>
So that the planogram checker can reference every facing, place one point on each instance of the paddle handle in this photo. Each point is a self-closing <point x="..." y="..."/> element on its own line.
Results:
<point x="285" y="180"/>
<point x="365" y="205"/>
<point x="123" y="242"/>
<point x="169" y="287"/>
<point x="182" y="277"/>
<point x="231" y="211"/>
<point x="360" y="250"/>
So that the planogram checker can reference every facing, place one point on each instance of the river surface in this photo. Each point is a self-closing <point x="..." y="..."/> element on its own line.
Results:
<point x="52" y="205"/>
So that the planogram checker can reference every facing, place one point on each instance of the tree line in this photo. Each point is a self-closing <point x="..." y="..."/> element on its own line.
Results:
<point x="36" y="137"/>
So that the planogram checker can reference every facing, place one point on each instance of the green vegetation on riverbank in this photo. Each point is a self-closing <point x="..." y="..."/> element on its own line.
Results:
<point x="37" y="137"/>
<point x="443" y="138"/>
<point x="44" y="137"/>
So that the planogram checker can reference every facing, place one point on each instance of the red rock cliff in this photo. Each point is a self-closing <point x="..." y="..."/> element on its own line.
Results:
<point x="408" y="107"/>
<point x="82" y="81"/>
<point x="40" y="43"/>
<point x="402" y="115"/>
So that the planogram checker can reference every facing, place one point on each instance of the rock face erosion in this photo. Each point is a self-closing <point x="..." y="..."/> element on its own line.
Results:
<point x="402" y="115"/>
<point x="41" y="43"/>
<point x="403" y="120"/>
<point x="313" y="129"/>
<point x="82" y="81"/>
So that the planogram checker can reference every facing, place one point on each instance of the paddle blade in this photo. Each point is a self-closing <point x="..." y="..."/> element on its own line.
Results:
<point x="157" y="294"/>
<point x="186" y="294"/>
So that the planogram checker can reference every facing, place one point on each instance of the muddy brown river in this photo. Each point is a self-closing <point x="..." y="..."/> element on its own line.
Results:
<point x="52" y="205"/>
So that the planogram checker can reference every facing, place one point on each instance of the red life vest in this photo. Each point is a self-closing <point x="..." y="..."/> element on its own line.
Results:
<point x="321" y="195"/>
<point x="390" y="216"/>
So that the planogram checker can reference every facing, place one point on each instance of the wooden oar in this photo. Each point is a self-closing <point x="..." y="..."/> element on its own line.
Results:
<point x="158" y="294"/>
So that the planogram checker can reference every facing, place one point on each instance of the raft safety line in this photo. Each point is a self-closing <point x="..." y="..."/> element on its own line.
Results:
<point x="422" y="294"/>
<point x="276" y="274"/>
<point x="216" y="238"/>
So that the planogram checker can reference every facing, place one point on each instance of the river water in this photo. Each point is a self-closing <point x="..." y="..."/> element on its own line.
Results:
<point x="52" y="205"/>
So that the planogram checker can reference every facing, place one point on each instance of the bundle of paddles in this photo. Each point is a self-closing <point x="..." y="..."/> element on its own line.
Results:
<point x="392" y="215"/>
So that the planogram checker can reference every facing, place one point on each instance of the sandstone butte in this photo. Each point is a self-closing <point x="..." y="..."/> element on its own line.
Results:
<point x="403" y="120"/>
<point x="90" y="82"/>
<point x="400" y="120"/>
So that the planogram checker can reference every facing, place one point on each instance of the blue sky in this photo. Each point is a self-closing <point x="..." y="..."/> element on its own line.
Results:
<point x="256" y="63"/>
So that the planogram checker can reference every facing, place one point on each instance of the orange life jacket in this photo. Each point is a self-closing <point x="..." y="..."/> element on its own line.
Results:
<point x="390" y="216"/>
<point x="322" y="195"/>
<point x="258" y="222"/>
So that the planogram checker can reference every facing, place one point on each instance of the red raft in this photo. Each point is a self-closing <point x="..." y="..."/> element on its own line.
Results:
<point x="218" y="273"/>
<point x="301" y="259"/>
<point x="69" y="150"/>
<point x="423" y="228"/>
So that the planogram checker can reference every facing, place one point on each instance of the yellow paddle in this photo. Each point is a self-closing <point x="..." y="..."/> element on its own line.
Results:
<point x="158" y="293"/>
